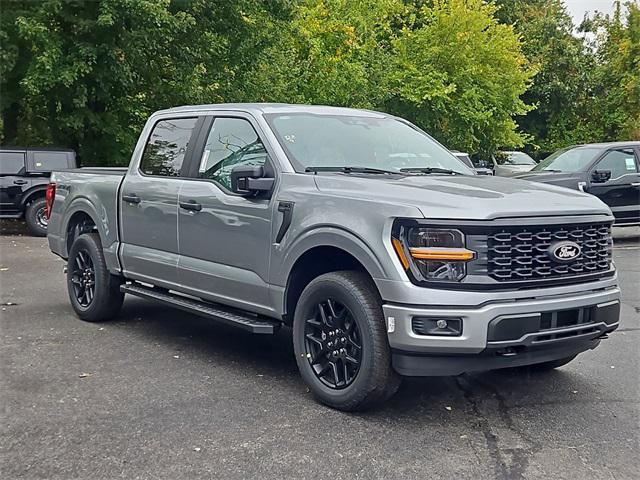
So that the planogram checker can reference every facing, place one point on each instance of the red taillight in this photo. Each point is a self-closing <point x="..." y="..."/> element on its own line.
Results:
<point x="49" y="197"/>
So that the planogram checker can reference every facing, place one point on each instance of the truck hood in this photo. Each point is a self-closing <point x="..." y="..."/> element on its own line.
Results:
<point x="473" y="197"/>
<point x="562" y="179"/>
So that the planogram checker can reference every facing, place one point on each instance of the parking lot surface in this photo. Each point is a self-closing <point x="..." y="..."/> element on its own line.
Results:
<point x="159" y="393"/>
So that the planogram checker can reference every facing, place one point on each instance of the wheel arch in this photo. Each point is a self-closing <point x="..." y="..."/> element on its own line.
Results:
<point x="33" y="194"/>
<point x="323" y="252"/>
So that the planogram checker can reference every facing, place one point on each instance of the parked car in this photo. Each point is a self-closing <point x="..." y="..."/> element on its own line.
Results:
<point x="610" y="171"/>
<point x="24" y="175"/>
<point x="466" y="159"/>
<point x="384" y="253"/>
<point x="507" y="164"/>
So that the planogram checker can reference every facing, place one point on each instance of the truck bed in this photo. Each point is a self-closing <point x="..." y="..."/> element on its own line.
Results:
<point x="86" y="191"/>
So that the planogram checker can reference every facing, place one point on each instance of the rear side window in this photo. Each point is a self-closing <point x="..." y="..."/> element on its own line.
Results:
<point x="167" y="146"/>
<point x="11" y="163"/>
<point x="49" y="161"/>
<point x="619" y="162"/>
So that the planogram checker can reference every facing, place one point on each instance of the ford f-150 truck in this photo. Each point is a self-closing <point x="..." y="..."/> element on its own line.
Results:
<point x="384" y="253"/>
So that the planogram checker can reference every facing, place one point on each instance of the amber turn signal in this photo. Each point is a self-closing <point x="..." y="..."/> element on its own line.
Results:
<point x="442" y="254"/>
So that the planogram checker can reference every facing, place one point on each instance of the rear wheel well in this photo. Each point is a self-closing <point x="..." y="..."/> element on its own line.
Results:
<point x="79" y="223"/>
<point x="313" y="263"/>
<point x="33" y="196"/>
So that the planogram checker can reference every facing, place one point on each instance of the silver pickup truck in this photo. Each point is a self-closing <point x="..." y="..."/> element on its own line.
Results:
<point x="384" y="253"/>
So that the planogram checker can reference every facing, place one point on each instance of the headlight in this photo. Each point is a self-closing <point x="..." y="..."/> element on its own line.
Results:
<point x="432" y="254"/>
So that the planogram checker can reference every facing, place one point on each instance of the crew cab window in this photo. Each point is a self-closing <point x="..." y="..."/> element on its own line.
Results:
<point x="49" y="161"/>
<point x="620" y="162"/>
<point x="231" y="142"/>
<point x="11" y="163"/>
<point x="167" y="146"/>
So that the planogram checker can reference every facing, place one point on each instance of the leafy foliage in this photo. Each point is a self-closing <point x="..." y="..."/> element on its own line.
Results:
<point x="86" y="74"/>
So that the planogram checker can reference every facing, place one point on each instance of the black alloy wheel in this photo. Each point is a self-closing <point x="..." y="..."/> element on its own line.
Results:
<point x="83" y="278"/>
<point x="333" y="344"/>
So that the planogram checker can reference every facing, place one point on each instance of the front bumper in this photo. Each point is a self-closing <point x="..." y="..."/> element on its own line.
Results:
<point x="503" y="333"/>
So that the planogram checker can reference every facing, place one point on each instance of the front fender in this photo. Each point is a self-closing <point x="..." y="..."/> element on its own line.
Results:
<point x="328" y="236"/>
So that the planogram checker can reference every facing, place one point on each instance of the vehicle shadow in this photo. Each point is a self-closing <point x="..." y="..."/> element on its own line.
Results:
<point x="13" y="227"/>
<point x="432" y="399"/>
<point x="623" y="236"/>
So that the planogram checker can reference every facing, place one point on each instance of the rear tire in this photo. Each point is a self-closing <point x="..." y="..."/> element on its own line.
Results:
<point x="94" y="293"/>
<point x="340" y="342"/>
<point x="35" y="217"/>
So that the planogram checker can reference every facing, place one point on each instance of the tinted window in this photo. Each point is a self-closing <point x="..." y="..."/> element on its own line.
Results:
<point x="49" y="161"/>
<point x="619" y="162"/>
<point x="11" y="163"/>
<point x="167" y="147"/>
<point x="231" y="142"/>
<point x="573" y="159"/>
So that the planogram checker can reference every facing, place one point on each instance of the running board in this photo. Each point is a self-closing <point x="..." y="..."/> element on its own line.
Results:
<point x="236" y="318"/>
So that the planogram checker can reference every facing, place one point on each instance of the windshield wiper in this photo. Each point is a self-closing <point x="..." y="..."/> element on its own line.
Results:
<point x="378" y="171"/>
<point x="430" y="170"/>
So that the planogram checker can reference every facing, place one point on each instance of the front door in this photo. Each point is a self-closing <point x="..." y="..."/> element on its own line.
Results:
<point x="12" y="185"/>
<point x="622" y="191"/>
<point x="225" y="238"/>
<point x="149" y="203"/>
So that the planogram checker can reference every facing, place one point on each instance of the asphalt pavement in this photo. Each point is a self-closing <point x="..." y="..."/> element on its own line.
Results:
<point x="162" y="394"/>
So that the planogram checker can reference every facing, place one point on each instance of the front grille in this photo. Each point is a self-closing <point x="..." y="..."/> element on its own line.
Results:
<point x="522" y="253"/>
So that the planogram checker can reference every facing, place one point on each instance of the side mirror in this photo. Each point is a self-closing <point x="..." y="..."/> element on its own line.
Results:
<point x="601" y="176"/>
<point x="250" y="180"/>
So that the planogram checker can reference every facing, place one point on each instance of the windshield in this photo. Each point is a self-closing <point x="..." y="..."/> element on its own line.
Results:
<point x="516" y="158"/>
<point x="312" y="140"/>
<point x="572" y="159"/>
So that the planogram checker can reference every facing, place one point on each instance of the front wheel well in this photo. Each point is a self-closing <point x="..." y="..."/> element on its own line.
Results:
<point x="79" y="223"/>
<point x="311" y="264"/>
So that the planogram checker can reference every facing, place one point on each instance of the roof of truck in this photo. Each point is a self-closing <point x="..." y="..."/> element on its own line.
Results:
<point x="277" y="108"/>
<point x="628" y="143"/>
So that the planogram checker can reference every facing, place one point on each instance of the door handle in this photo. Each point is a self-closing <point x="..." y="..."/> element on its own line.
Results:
<point x="20" y="182"/>
<point x="635" y="184"/>
<point x="191" y="205"/>
<point x="131" y="198"/>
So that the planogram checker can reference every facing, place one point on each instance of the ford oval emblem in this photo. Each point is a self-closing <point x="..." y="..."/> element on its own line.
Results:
<point x="564" y="252"/>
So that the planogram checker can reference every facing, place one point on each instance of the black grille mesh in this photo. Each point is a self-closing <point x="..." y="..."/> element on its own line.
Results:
<point x="521" y="253"/>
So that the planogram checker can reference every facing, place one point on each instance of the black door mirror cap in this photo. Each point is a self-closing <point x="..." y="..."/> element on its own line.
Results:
<point x="600" y="176"/>
<point x="250" y="180"/>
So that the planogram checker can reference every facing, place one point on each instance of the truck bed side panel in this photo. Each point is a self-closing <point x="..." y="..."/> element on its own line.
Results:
<point x="90" y="192"/>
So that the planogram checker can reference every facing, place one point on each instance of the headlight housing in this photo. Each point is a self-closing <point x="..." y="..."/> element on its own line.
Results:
<point x="432" y="254"/>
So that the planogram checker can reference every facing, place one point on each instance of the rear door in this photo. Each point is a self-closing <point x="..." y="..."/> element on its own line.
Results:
<point x="13" y="182"/>
<point x="149" y="202"/>
<point x="622" y="191"/>
<point x="225" y="244"/>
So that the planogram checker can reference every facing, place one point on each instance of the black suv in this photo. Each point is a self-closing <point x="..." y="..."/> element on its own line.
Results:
<point x="610" y="171"/>
<point x="24" y="176"/>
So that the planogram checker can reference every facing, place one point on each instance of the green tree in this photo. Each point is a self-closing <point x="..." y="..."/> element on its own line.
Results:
<point x="86" y="74"/>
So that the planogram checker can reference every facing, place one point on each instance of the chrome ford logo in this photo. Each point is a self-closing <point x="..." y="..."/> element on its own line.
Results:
<point x="564" y="252"/>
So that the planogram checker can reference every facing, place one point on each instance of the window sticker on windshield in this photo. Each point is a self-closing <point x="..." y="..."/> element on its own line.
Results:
<point x="290" y="138"/>
<point x="630" y="163"/>
<point x="38" y="164"/>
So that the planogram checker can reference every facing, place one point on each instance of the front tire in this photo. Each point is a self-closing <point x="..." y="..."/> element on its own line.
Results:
<point x="94" y="293"/>
<point x="340" y="342"/>
<point x="36" y="218"/>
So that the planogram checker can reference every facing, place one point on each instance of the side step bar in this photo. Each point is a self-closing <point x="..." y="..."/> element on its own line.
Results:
<point x="230" y="316"/>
